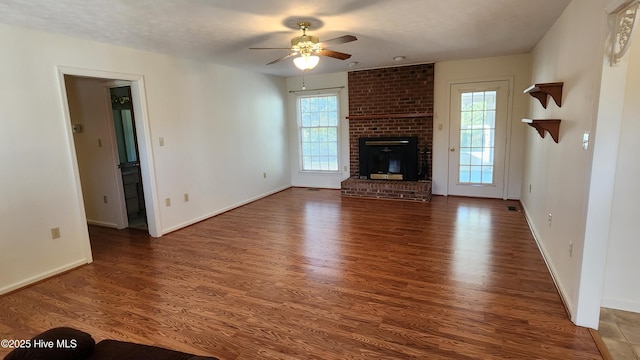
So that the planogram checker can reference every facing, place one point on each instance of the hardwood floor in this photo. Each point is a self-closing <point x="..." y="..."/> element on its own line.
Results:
<point x="307" y="274"/>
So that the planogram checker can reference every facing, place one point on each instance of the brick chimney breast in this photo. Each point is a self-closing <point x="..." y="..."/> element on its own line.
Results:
<point x="381" y="104"/>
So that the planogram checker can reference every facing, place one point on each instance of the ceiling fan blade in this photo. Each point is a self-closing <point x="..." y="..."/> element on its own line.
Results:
<point x="337" y="41"/>
<point x="283" y="58"/>
<point x="280" y="48"/>
<point x="334" y="54"/>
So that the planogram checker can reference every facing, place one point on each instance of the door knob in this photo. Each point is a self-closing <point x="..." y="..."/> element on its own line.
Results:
<point x="452" y="149"/>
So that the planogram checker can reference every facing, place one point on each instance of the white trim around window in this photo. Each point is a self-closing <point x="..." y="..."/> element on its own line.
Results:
<point x="319" y="133"/>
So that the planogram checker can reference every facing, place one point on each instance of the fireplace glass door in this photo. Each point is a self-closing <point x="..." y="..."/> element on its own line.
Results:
<point x="388" y="158"/>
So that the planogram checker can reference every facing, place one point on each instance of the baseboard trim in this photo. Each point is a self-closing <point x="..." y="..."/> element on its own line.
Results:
<point x="223" y="210"/>
<point x="545" y="256"/>
<point x="102" y="223"/>
<point x="43" y="276"/>
<point x="623" y="305"/>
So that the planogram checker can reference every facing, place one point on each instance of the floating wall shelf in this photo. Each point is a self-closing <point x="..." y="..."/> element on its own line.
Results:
<point x="542" y="91"/>
<point x="552" y="126"/>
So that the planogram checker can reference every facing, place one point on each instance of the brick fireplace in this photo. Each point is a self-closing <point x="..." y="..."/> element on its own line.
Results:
<point x="387" y="103"/>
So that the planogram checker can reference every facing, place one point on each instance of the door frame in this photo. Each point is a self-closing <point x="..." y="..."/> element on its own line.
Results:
<point x="509" y="119"/>
<point x="136" y="82"/>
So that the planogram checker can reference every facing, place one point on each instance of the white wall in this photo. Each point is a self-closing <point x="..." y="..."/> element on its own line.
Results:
<point x="337" y="82"/>
<point x="222" y="129"/>
<point x="622" y="265"/>
<point x="516" y="68"/>
<point x="559" y="174"/>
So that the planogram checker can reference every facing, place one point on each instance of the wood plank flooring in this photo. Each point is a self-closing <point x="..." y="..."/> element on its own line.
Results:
<point x="307" y="274"/>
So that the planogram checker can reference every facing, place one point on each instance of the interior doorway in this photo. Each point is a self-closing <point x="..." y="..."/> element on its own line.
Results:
<point x="100" y="140"/>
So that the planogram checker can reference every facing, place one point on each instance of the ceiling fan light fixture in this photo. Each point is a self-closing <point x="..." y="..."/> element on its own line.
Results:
<point x="306" y="62"/>
<point x="308" y="49"/>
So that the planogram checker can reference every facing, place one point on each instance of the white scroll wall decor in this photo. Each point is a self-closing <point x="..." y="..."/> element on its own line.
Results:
<point x="625" y="19"/>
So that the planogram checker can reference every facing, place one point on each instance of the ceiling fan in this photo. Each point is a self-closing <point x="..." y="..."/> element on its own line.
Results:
<point x="308" y="47"/>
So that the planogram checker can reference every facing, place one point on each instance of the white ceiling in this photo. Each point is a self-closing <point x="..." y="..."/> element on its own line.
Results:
<point x="221" y="31"/>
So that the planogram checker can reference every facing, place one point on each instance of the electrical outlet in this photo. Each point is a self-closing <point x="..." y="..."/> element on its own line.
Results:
<point x="55" y="233"/>
<point x="549" y="219"/>
<point x="439" y="126"/>
<point x="167" y="201"/>
<point x="161" y="141"/>
<point x="346" y="168"/>
<point x="186" y="197"/>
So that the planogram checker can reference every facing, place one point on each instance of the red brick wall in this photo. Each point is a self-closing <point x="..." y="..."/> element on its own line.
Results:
<point x="398" y="90"/>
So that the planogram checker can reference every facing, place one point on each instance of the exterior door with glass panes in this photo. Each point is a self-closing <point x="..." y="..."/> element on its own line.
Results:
<point x="477" y="143"/>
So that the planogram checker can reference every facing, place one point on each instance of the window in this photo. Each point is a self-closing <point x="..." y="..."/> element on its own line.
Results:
<point x="318" y="119"/>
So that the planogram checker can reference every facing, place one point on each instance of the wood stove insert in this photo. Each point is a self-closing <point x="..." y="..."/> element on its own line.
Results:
<point x="388" y="158"/>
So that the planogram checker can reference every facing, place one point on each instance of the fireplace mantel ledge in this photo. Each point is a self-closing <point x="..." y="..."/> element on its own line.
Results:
<point x="389" y="116"/>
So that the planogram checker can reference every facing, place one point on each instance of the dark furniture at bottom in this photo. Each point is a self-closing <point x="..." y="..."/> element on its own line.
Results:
<point x="70" y="344"/>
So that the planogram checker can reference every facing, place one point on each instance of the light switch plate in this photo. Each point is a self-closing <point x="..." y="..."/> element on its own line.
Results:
<point x="585" y="140"/>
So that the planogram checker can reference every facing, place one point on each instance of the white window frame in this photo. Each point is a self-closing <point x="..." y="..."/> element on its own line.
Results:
<point x="300" y="127"/>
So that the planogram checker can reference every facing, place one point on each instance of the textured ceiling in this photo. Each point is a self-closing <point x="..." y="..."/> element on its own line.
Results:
<point x="221" y="31"/>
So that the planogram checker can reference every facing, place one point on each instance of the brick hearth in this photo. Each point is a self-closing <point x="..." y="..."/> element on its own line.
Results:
<point x="387" y="189"/>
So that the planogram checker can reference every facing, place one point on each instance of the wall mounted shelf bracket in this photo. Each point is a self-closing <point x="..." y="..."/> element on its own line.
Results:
<point x="625" y="17"/>
<point x="542" y="91"/>
<point x="552" y="126"/>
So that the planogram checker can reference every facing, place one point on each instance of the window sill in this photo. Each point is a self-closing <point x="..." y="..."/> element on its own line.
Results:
<point x="320" y="172"/>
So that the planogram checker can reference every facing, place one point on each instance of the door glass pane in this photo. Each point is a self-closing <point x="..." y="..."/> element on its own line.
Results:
<point x="476" y="174"/>
<point x="477" y="137"/>
<point x="487" y="174"/>
<point x="490" y="100"/>
<point x="466" y="101"/>
<point x="465" y="174"/>
<point x="465" y="158"/>
<point x="465" y="138"/>
<point x="476" y="156"/>
<point x="490" y="118"/>
<point x="465" y="120"/>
